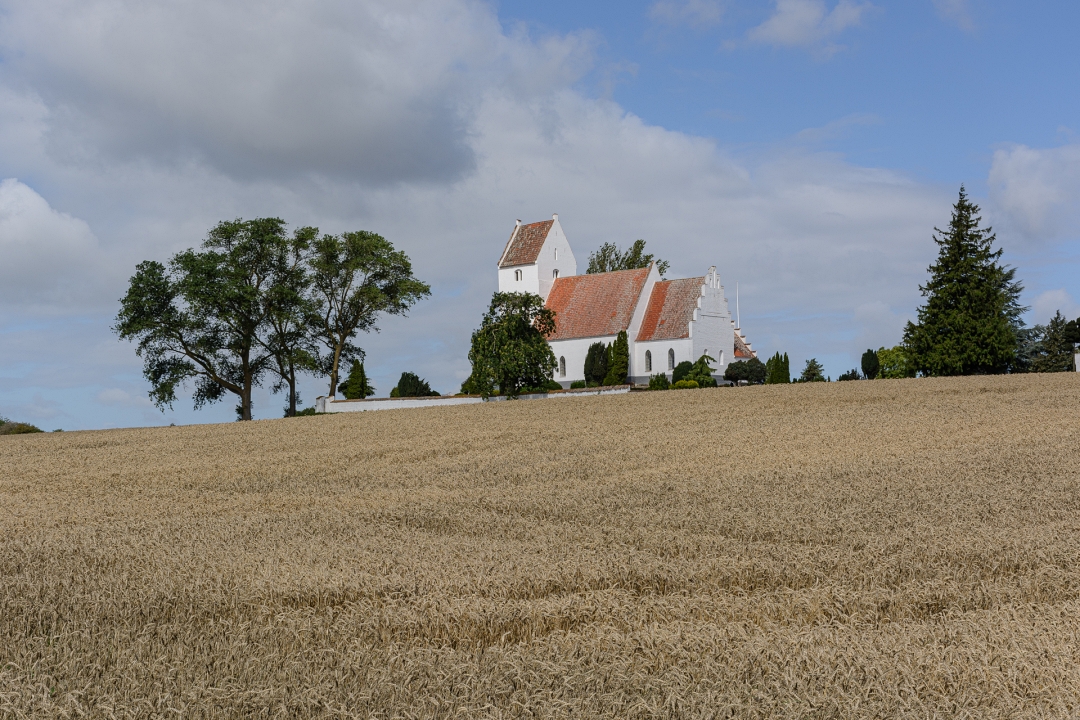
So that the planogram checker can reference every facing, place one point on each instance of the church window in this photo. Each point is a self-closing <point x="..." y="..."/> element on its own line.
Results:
<point x="562" y="367"/>
<point x="648" y="361"/>
<point x="555" y="274"/>
<point x="517" y="275"/>
<point x="556" y="253"/>
<point x="671" y="359"/>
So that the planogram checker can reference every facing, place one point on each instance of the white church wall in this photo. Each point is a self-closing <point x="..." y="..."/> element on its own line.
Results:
<point x="554" y="255"/>
<point x="637" y="368"/>
<point x="573" y="352"/>
<point x="682" y="349"/>
<point x="529" y="282"/>
<point x="711" y="329"/>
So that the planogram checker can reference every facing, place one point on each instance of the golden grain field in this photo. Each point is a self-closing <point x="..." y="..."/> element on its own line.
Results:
<point x="896" y="548"/>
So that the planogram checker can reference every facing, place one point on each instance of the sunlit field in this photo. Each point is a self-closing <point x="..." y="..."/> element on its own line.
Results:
<point x="894" y="548"/>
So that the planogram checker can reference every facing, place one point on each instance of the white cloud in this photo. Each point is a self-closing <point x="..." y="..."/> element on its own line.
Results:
<point x="49" y="257"/>
<point x="695" y="13"/>
<point x="376" y="91"/>
<point x="1038" y="190"/>
<point x="957" y="12"/>
<point x="807" y="23"/>
<point x="1047" y="303"/>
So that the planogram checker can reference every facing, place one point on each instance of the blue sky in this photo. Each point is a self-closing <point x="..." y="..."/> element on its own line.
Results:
<point x="805" y="147"/>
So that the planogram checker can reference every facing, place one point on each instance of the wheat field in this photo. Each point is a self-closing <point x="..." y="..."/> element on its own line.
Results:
<point x="895" y="548"/>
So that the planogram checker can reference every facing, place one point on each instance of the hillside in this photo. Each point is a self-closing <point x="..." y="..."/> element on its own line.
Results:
<point x="889" y="548"/>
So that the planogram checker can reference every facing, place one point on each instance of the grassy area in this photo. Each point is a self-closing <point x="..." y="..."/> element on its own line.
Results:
<point x="895" y="548"/>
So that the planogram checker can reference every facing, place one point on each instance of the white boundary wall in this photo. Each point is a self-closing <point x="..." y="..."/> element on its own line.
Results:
<point x="329" y="405"/>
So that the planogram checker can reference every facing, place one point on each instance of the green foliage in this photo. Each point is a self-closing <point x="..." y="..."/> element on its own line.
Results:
<point x="1072" y="331"/>
<point x="510" y="349"/>
<point x="206" y="316"/>
<point x="305" y="412"/>
<point x="597" y="361"/>
<point x="411" y="385"/>
<point x="355" y="277"/>
<point x="871" y="365"/>
<point x="609" y="258"/>
<point x="619" y="367"/>
<point x="546" y="387"/>
<point x="753" y="371"/>
<point x="851" y="374"/>
<point x="8" y="427"/>
<point x="777" y="370"/>
<point x="577" y="384"/>
<point x="813" y="372"/>
<point x="895" y="363"/>
<point x="969" y="322"/>
<point x="685" y="385"/>
<point x="681" y="371"/>
<point x="702" y="373"/>
<point x="1054" y="348"/>
<point x="659" y="381"/>
<point x="356" y="385"/>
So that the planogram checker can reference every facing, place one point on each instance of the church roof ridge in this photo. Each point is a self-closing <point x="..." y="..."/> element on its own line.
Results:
<point x="597" y="304"/>
<point x="525" y="243"/>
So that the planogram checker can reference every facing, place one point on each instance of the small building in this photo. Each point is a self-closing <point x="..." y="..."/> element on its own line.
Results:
<point x="666" y="321"/>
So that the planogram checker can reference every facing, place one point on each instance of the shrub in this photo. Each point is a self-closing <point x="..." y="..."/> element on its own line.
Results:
<point x="681" y="371"/>
<point x="659" y="381"/>
<point x="619" y="366"/>
<point x="685" y="385"/>
<point x="411" y="385"/>
<point x="852" y="374"/>
<point x="577" y="384"/>
<point x="8" y="427"/>
<point x="752" y="371"/>
<point x="597" y="360"/>
<point x="306" y="412"/>
<point x="546" y="387"/>
<point x="701" y="372"/>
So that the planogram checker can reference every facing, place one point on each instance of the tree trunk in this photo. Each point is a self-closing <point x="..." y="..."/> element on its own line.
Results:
<point x="245" y="398"/>
<point x="334" y="371"/>
<point x="292" y="390"/>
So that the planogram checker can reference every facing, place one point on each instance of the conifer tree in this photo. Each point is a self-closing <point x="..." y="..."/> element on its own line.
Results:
<point x="776" y="370"/>
<point x="1055" y="350"/>
<point x="356" y="385"/>
<point x="619" y="366"/>
<point x="969" y="322"/>
<point x="871" y="365"/>
<point x="596" y="363"/>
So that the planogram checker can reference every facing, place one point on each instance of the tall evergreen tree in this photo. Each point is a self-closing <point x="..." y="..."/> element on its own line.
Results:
<point x="596" y="363"/>
<point x="813" y="372"/>
<point x="620" y="361"/>
<point x="776" y="370"/>
<point x="356" y="385"/>
<point x="1055" y="349"/>
<point x="871" y="365"/>
<point x="969" y="322"/>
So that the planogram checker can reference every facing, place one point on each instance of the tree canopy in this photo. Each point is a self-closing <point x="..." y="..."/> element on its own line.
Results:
<point x="752" y="371"/>
<point x="871" y="364"/>
<point x="510" y="349"/>
<point x="356" y="276"/>
<point x="969" y="322"/>
<point x="412" y="385"/>
<point x="610" y="258"/>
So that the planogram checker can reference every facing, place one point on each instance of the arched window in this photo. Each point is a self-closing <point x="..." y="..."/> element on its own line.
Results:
<point x="648" y="361"/>
<point x="562" y="367"/>
<point x="555" y="274"/>
<point x="556" y="253"/>
<point x="517" y="275"/>
<point x="720" y="360"/>
<point x="671" y="359"/>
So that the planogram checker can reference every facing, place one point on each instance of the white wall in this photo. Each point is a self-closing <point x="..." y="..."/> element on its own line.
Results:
<point x="711" y="330"/>
<point x="638" y="368"/>
<point x="554" y="255"/>
<point x="530" y="281"/>
<point x="683" y="348"/>
<point x="575" y="351"/>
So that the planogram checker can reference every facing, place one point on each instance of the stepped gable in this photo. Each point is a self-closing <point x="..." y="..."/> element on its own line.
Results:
<point x="670" y="310"/>
<point x="742" y="348"/>
<point x="525" y="243"/>
<point x="595" y="305"/>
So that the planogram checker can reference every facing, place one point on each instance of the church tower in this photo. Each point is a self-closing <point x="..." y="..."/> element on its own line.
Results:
<point x="535" y="256"/>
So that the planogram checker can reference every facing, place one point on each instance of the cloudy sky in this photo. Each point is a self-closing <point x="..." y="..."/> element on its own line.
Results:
<point x="805" y="147"/>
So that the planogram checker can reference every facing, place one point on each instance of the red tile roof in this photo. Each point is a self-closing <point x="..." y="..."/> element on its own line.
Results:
<point x="742" y="348"/>
<point x="671" y="308"/>
<point x="595" y="305"/>
<point x="524" y="244"/>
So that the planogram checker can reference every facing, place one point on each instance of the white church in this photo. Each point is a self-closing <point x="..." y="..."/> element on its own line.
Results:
<point x="666" y="321"/>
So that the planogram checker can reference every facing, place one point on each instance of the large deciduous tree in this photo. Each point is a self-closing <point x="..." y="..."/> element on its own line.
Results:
<point x="201" y="317"/>
<point x="610" y="258"/>
<point x="356" y="276"/>
<point x="969" y="322"/>
<point x="510" y="349"/>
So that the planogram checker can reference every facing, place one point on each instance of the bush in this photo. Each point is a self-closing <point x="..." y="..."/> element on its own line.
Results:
<point x="597" y="360"/>
<point x="685" y="385"/>
<point x="659" y="381"/>
<point x="852" y="374"/>
<point x="8" y="427"/>
<point x="753" y="371"/>
<point x="411" y="385"/>
<point x="577" y="384"/>
<point x="545" y="388"/>
<point x="619" y="367"/>
<point x="306" y="412"/>
<point x="681" y="371"/>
